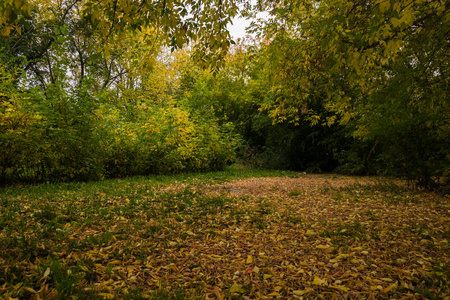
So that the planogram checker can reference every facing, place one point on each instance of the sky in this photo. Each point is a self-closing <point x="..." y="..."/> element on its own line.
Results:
<point x="237" y="30"/>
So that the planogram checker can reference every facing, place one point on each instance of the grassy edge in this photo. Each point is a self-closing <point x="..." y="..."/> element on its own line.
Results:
<point x="151" y="181"/>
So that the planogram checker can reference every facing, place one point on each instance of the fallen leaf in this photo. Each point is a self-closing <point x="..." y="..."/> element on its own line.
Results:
<point x="318" y="281"/>
<point x="47" y="272"/>
<point x="340" y="287"/>
<point x="249" y="259"/>
<point x="323" y="246"/>
<point x="301" y="292"/>
<point x="236" y="288"/>
<point x="30" y="290"/>
<point x="106" y="295"/>
<point x="390" y="288"/>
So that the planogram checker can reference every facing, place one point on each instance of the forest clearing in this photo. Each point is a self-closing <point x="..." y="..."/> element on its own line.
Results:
<point x="225" y="235"/>
<point x="138" y="140"/>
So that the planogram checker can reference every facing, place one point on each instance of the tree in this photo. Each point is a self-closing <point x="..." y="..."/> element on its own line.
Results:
<point x="97" y="103"/>
<point x="180" y="22"/>
<point x="369" y="61"/>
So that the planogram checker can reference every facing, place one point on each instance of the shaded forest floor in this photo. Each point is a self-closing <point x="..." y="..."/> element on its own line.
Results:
<point x="225" y="237"/>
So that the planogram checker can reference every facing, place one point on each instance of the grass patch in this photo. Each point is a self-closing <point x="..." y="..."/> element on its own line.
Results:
<point x="177" y="237"/>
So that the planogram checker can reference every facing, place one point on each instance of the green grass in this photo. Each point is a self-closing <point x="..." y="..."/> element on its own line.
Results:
<point x="139" y="185"/>
<point x="68" y="230"/>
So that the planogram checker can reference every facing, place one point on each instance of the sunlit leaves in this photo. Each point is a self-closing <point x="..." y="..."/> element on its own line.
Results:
<point x="352" y="41"/>
<point x="11" y="14"/>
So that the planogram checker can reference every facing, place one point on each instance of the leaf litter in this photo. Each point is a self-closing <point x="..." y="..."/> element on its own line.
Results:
<point x="308" y="237"/>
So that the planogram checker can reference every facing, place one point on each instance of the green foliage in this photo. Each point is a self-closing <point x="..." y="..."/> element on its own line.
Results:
<point x="165" y="140"/>
<point x="19" y="133"/>
<point x="68" y="133"/>
<point x="356" y="88"/>
<point x="380" y="68"/>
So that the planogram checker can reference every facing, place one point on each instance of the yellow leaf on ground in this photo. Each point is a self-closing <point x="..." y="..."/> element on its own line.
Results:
<point x="318" y="281"/>
<point x="28" y="289"/>
<point x="236" y="288"/>
<point x="341" y="288"/>
<point x="301" y="292"/>
<point x="47" y="272"/>
<point x="106" y="295"/>
<point x="390" y="288"/>
<point x="249" y="259"/>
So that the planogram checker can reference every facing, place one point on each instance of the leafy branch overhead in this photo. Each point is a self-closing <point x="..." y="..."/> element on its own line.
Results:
<point x="178" y="22"/>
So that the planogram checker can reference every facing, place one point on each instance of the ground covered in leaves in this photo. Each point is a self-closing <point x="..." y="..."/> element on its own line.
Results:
<point x="298" y="236"/>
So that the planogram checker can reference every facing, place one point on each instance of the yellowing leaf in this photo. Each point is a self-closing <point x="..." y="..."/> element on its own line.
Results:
<point x="256" y="269"/>
<point x="319" y="281"/>
<point x="17" y="286"/>
<point x="323" y="246"/>
<point x="301" y="292"/>
<point x="47" y="272"/>
<point x="6" y="30"/>
<point x="376" y="287"/>
<point x="106" y="295"/>
<point x="341" y="288"/>
<point x="384" y="6"/>
<point x="274" y="294"/>
<point x="28" y="289"/>
<point x="390" y="287"/>
<point x="249" y="259"/>
<point x="396" y="22"/>
<point x="236" y="288"/>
